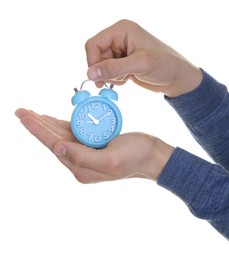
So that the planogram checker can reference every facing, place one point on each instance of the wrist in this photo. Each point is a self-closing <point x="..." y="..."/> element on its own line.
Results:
<point x="188" y="78"/>
<point x="161" y="152"/>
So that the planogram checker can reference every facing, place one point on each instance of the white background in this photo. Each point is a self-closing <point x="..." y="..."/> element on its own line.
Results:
<point x="44" y="212"/>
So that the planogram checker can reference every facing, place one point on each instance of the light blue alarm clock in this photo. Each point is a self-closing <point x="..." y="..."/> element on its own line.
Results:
<point x="96" y="120"/>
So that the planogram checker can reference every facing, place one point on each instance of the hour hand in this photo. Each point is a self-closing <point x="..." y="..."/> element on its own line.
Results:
<point x="94" y="120"/>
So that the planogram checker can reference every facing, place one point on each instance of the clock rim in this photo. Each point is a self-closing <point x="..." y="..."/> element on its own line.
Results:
<point x="117" y="114"/>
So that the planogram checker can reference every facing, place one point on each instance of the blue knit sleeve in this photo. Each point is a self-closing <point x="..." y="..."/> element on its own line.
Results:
<point x="205" y="111"/>
<point x="203" y="186"/>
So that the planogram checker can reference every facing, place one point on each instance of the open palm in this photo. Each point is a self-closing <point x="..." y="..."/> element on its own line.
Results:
<point x="128" y="155"/>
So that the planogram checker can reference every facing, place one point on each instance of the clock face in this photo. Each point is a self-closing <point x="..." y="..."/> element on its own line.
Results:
<point x="96" y="121"/>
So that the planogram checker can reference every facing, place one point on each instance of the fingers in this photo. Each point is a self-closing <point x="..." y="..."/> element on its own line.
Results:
<point x="119" y="70"/>
<point x="107" y="52"/>
<point x="61" y="123"/>
<point x="41" y="131"/>
<point x="109" y="43"/>
<point x="20" y="112"/>
<point x="43" y="128"/>
<point x="51" y="122"/>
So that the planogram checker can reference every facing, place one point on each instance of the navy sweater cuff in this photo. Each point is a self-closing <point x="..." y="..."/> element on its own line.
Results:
<point x="184" y="179"/>
<point x="195" y="105"/>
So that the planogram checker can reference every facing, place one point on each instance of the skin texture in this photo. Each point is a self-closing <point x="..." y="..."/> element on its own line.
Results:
<point x="128" y="155"/>
<point x="122" y="52"/>
<point x="126" y="51"/>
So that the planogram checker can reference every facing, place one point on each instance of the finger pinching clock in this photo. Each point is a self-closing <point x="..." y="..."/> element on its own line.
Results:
<point x="95" y="120"/>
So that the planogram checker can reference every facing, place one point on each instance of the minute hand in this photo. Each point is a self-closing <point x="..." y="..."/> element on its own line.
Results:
<point x="105" y="115"/>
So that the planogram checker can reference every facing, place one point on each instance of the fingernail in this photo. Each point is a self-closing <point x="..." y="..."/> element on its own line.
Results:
<point x="60" y="150"/>
<point x="95" y="73"/>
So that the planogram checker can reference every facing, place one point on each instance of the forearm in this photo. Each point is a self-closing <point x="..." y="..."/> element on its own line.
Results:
<point x="203" y="186"/>
<point x="205" y="111"/>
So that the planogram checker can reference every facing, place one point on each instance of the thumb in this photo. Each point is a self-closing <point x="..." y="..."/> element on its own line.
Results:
<point x="111" y="69"/>
<point x="81" y="156"/>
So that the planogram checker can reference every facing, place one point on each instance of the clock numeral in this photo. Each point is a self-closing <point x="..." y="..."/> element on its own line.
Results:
<point x="110" y="128"/>
<point x="90" y="136"/>
<point x="92" y="106"/>
<point x="87" y="108"/>
<point x="105" y="135"/>
<point x="95" y="105"/>
<point x="97" y="138"/>
<point x="113" y="120"/>
<point x="82" y="116"/>
<point x="79" y="123"/>
<point x="83" y="131"/>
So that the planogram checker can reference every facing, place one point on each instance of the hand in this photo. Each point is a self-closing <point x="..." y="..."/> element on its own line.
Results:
<point x="128" y="155"/>
<point x="126" y="51"/>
